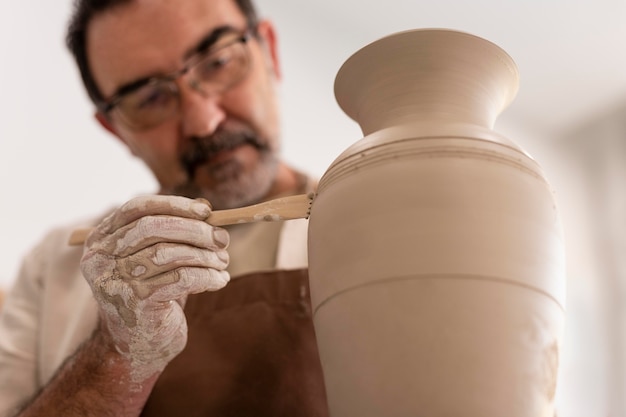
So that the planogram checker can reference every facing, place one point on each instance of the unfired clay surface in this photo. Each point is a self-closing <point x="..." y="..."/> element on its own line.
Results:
<point x="435" y="248"/>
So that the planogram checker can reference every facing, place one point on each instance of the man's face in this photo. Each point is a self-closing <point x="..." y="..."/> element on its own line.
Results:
<point x="221" y="146"/>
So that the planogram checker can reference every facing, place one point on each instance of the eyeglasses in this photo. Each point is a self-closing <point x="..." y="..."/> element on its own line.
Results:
<point x="149" y="102"/>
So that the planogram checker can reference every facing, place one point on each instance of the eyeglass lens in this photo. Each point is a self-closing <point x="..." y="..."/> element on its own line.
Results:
<point x="212" y="72"/>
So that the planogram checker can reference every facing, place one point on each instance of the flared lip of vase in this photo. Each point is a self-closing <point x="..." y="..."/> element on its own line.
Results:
<point x="371" y="62"/>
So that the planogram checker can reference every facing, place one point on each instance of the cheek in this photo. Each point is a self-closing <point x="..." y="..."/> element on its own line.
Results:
<point x="149" y="145"/>
<point x="270" y="129"/>
<point x="159" y="151"/>
<point x="255" y="102"/>
<point x="264" y="112"/>
<point x="269" y="107"/>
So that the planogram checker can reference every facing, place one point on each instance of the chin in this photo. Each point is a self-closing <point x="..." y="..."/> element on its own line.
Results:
<point x="233" y="182"/>
<point x="243" y="188"/>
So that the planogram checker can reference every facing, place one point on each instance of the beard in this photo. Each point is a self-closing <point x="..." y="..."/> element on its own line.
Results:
<point x="232" y="184"/>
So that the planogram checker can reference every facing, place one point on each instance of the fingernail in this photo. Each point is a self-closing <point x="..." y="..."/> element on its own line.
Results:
<point x="221" y="237"/>
<point x="223" y="256"/>
<point x="205" y="201"/>
<point x="201" y="208"/>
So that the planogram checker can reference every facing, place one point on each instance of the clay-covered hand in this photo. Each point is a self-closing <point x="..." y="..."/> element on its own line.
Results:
<point x="141" y="263"/>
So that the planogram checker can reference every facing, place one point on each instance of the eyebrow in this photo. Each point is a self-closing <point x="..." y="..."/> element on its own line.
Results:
<point x="205" y="43"/>
<point x="209" y="40"/>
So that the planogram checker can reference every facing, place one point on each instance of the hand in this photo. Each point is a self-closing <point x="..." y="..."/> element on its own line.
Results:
<point x="141" y="263"/>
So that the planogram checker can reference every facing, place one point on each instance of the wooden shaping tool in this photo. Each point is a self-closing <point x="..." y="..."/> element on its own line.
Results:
<point x="284" y="208"/>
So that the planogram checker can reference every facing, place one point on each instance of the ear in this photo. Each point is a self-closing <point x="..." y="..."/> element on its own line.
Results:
<point x="267" y="33"/>
<point x="105" y="122"/>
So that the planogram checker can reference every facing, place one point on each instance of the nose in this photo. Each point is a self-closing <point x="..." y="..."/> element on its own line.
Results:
<point x="201" y="112"/>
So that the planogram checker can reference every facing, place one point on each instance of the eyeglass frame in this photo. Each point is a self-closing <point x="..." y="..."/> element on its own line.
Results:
<point x="106" y="106"/>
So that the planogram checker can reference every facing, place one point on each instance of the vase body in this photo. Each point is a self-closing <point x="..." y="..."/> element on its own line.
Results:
<point x="436" y="256"/>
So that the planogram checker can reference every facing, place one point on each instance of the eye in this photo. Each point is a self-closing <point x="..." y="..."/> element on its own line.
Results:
<point x="213" y="64"/>
<point x="150" y="97"/>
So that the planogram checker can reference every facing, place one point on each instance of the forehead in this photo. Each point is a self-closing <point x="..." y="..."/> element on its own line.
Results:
<point x="150" y="37"/>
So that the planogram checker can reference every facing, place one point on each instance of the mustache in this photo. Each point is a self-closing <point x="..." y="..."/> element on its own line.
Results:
<point x="202" y="149"/>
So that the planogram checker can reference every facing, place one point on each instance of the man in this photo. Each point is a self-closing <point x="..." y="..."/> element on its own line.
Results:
<point x="189" y="87"/>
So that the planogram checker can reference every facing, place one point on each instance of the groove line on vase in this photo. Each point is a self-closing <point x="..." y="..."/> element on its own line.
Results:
<point x="376" y="156"/>
<point x="438" y="276"/>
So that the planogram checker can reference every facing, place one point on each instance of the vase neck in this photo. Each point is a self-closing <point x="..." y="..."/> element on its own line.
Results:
<point x="437" y="75"/>
<point x="441" y="106"/>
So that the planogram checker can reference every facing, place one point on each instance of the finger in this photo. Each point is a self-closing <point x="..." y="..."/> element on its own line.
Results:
<point x="151" y="205"/>
<point x="180" y="282"/>
<point x="164" y="257"/>
<point x="152" y="230"/>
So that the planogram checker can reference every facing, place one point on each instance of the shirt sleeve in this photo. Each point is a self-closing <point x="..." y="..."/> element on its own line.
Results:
<point x="19" y="326"/>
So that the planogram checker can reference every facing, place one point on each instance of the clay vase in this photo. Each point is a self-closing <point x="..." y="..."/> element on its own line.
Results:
<point x="435" y="248"/>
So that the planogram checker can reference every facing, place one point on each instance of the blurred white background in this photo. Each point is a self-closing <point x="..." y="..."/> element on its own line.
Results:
<point x="57" y="165"/>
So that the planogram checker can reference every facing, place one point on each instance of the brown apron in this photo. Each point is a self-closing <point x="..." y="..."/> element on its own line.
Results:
<point x="251" y="351"/>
